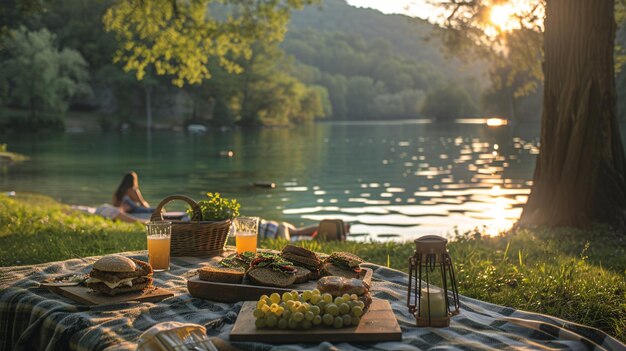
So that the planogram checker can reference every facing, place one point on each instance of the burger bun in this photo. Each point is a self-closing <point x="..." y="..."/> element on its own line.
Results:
<point x="115" y="263"/>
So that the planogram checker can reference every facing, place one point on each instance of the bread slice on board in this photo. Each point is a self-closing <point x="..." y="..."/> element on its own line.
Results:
<point x="269" y="277"/>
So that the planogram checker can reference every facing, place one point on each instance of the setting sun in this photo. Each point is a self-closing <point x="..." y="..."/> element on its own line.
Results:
<point x="501" y="16"/>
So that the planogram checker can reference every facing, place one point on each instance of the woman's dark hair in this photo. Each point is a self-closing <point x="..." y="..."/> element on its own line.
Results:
<point x="129" y="181"/>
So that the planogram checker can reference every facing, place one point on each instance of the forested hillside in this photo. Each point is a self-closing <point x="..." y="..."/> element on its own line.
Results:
<point x="337" y="62"/>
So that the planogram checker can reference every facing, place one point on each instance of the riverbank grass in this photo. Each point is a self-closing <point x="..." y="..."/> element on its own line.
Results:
<point x="572" y="274"/>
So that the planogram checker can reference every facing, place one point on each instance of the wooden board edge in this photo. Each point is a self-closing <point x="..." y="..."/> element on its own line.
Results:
<point x="158" y="294"/>
<point x="281" y="337"/>
<point x="194" y="284"/>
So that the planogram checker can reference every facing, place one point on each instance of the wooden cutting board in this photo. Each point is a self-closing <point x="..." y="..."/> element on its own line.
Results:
<point x="226" y="292"/>
<point x="86" y="296"/>
<point x="377" y="324"/>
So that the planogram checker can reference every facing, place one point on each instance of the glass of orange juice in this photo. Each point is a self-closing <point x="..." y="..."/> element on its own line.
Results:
<point x="246" y="231"/>
<point x="159" y="239"/>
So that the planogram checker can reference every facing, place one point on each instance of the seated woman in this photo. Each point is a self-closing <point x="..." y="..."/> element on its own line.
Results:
<point x="128" y="197"/>
<point x="328" y="229"/>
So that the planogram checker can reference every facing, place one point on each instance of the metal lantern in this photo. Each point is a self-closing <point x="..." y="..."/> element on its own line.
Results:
<point x="430" y="266"/>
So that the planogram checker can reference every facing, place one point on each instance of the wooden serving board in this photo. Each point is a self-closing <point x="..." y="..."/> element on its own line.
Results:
<point x="377" y="324"/>
<point x="89" y="297"/>
<point x="227" y="292"/>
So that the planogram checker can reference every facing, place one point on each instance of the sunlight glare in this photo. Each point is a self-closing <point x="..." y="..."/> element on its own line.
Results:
<point x="501" y="16"/>
<point x="496" y="122"/>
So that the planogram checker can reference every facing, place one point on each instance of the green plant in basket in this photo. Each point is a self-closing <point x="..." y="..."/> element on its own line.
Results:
<point x="217" y="208"/>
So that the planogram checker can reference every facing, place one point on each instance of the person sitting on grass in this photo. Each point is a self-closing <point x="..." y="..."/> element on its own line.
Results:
<point x="328" y="229"/>
<point x="128" y="197"/>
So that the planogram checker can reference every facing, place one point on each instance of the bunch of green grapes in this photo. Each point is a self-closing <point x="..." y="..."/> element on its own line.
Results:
<point x="308" y="309"/>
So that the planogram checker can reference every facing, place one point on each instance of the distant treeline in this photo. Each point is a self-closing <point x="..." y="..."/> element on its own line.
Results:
<point x="337" y="63"/>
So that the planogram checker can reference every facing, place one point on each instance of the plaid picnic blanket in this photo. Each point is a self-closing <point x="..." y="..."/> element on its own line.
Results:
<point x="32" y="318"/>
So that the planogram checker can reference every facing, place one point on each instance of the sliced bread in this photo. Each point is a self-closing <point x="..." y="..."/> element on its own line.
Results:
<point x="270" y="277"/>
<point x="330" y="269"/>
<point x="215" y="273"/>
<point x="303" y="275"/>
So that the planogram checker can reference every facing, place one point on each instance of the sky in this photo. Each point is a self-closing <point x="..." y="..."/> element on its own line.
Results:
<point x="413" y="8"/>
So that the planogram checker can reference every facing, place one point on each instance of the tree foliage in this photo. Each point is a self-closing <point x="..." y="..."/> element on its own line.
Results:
<point x="179" y="37"/>
<point x="38" y="76"/>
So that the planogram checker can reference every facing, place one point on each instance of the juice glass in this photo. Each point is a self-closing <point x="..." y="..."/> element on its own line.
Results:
<point x="159" y="239"/>
<point x="246" y="232"/>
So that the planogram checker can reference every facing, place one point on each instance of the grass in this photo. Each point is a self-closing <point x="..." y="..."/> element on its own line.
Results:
<point x="572" y="274"/>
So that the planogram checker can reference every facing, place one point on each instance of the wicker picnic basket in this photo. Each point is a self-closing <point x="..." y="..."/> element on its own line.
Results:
<point x="196" y="237"/>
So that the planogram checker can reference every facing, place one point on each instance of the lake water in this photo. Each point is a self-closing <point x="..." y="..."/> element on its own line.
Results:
<point x="391" y="180"/>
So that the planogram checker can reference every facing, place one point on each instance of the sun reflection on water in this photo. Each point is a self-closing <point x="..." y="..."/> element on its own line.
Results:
<point x="458" y="182"/>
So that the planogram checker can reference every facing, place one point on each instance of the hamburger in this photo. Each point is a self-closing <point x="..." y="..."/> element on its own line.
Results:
<point x="342" y="264"/>
<point x="271" y="270"/>
<point x="115" y="274"/>
<point x="306" y="261"/>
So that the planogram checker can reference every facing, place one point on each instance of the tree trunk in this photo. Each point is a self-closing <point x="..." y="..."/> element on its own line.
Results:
<point x="579" y="175"/>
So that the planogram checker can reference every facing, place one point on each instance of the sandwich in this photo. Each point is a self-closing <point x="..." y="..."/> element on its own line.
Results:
<point x="235" y="260"/>
<point x="231" y="269"/>
<point x="305" y="260"/>
<point x="271" y="270"/>
<point x="217" y="273"/>
<point x="115" y="274"/>
<point x="338" y="286"/>
<point x="342" y="264"/>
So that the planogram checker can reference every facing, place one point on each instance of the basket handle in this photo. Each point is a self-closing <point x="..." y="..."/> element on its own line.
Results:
<point x="157" y="215"/>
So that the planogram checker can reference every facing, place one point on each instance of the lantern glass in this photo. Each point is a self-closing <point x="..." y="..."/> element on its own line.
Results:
<point x="432" y="294"/>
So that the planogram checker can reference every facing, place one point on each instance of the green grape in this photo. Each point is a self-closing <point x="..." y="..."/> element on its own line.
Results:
<point x="332" y="309"/>
<point x="352" y="303"/>
<point x="306" y="295"/>
<point x="315" y="299"/>
<point x="260" y="323"/>
<point x="282" y="323"/>
<point x="338" y="322"/>
<point x="258" y="313"/>
<point x="294" y="295"/>
<point x="275" y="298"/>
<point x="294" y="307"/>
<point x="356" y="320"/>
<point x="328" y="319"/>
<point x="309" y="316"/>
<point x="303" y="307"/>
<point x="298" y="316"/>
<point x="274" y="308"/>
<point x="338" y="300"/>
<point x="361" y="304"/>
<point x="315" y="292"/>
<point x="280" y="311"/>
<point x="287" y="296"/>
<point x="328" y="298"/>
<point x="346" y="297"/>
<point x="265" y="308"/>
<point x="322" y="305"/>
<point x="271" y="321"/>
<point x="292" y="323"/>
<point x="287" y="314"/>
<point x="317" y="320"/>
<point x="357" y="311"/>
<point x="260" y="304"/>
<point x="306" y="324"/>
<point x="316" y="310"/>
<point x="344" y="308"/>
<point x="347" y="320"/>
<point x="354" y="297"/>
<point x="263" y="297"/>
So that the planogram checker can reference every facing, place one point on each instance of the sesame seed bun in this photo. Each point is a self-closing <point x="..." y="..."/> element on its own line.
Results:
<point x="115" y="263"/>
